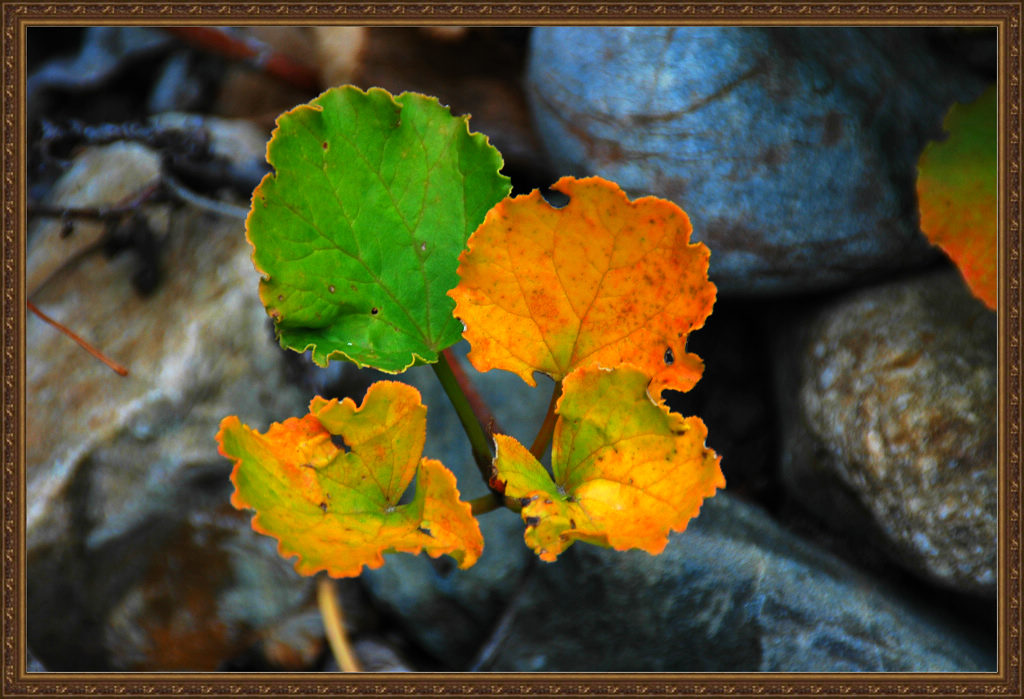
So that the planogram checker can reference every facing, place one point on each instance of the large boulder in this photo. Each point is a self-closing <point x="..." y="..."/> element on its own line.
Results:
<point x="733" y="593"/>
<point x="793" y="150"/>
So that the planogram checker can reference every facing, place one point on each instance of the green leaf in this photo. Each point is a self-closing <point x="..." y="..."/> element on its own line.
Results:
<point x="358" y="233"/>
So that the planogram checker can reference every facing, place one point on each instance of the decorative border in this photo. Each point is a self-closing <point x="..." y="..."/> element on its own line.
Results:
<point x="15" y="16"/>
<point x="509" y="12"/>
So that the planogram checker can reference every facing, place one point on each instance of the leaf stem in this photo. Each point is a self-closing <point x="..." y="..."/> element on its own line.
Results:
<point x="474" y="430"/>
<point x="547" y="428"/>
<point x="334" y="625"/>
<point x="480" y="408"/>
<point x="486" y="503"/>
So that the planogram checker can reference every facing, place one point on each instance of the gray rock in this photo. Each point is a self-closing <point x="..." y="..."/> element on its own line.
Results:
<point x="446" y="611"/>
<point x="892" y="423"/>
<point x="123" y="474"/>
<point x="793" y="150"/>
<point x="733" y="593"/>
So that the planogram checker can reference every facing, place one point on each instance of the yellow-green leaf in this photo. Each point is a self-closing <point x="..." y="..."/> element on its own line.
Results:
<point x="957" y="189"/>
<point x="327" y="485"/>
<point x="626" y="469"/>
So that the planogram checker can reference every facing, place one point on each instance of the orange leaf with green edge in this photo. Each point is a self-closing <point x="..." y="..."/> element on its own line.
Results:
<point x="602" y="281"/>
<point x="957" y="190"/>
<point x="626" y="469"/>
<point x="327" y="485"/>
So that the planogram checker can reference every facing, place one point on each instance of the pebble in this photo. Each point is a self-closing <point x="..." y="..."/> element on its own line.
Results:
<point x="892" y="425"/>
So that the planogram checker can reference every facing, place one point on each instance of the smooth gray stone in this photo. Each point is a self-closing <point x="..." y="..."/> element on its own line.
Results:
<point x="734" y="592"/>
<point x="793" y="150"/>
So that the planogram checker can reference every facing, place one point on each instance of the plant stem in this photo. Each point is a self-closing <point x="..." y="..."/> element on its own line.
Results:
<point x="547" y="428"/>
<point x="483" y="413"/>
<point x="474" y="430"/>
<point x="486" y="503"/>
<point x="334" y="625"/>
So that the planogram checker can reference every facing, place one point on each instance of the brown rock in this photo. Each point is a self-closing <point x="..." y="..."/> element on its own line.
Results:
<point x="897" y="421"/>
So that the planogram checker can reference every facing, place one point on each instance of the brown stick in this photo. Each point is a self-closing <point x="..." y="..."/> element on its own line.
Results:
<point x="275" y="63"/>
<point x="84" y="345"/>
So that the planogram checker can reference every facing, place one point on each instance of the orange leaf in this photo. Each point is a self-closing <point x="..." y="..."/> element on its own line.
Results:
<point x="327" y="485"/>
<point x="626" y="470"/>
<point x="602" y="280"/>
<point x="957" y="187"/>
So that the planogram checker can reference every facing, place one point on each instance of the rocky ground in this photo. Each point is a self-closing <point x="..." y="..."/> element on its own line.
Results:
<point x="850" y="384"/>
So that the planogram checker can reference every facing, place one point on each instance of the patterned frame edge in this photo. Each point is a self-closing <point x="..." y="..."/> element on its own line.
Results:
<point x="1004" y="15"/>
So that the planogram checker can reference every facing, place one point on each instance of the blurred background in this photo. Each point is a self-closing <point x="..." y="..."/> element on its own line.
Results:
<point x="850" y="384"/>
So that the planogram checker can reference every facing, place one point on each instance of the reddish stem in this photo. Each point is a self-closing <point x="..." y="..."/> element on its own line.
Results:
<point x="480" y="409"/>
<point x="547" y="428"/>
<point x="85" y="345"/>
<point x="281" y="66"/>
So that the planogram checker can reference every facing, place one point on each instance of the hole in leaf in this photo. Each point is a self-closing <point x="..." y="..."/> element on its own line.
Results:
<point x="532" y="521"/>
<point x="669" y="357"/>
<point x="556" y="200"/>
<point x="339" y="441"/>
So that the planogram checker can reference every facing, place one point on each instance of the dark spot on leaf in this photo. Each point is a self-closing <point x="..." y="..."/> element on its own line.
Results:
<point x="523" y="502"/>
<point x="280" y="297"/>
<point x="572" y="523"/>
<point x="339" y="441"/>
<point x="374" y="311"/>
<point x="323" y="507"/>
<point x="669" y="357"/>
<point x="325" y="145"/>
<point x="532" y="521"/>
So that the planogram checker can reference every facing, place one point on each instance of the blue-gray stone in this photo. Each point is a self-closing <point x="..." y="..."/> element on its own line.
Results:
<point x="793" y="150"/>
<point x="733" y="593"/>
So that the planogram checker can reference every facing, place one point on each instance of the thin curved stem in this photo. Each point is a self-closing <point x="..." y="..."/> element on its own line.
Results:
<point x="547" y="428"/>
<point x="478" y="439"/>
<point x="480" y="408"/>
<point x="334" y="625"/>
